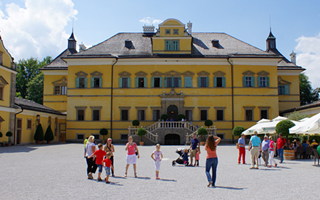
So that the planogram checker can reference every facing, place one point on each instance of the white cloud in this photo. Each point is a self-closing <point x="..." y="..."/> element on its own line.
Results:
<point x="308" y="57"/>
<point x="150" y="20"/>
<point x="37" y="29"/>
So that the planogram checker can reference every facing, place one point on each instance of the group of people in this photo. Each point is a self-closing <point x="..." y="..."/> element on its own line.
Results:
<point x="261" y="149"/>
<point x="296" y="144"/>
<point x="103" y="157"/>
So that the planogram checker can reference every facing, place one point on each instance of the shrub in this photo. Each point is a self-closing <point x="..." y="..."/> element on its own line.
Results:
<point x="141" y="132"/>
<point x="297" y="116"/>
<point x="164" y="117"/>
<point x="135" y="123"/>
<point x="38" y="136"/>
<point x="103" y="132"/>
<point x="181" y="116"/>
<point x="208" y="123"/>
<point x="202" y="131"/>
<point x="283" y="127"/>
<point x="238" y="130"/>
<point x="48" y="136"/>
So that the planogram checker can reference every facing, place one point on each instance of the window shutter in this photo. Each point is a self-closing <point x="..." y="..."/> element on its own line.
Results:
<point x="207" y="81"/>
<point x="91" y="82"/>
<point x="214" y="81"/>
<point x="179" y="82"/>
<point x="161" y="81"/>
<point x="244" y="81"/>
<point x="258" y="81"/>
<point x="129" y="82"/>
<point x="77" y="82"/>
<point x="145" y="81"/>
<point x="100" y="81"/>
<point x="152" y="81"/>
<point x="267" y="82"/>
<point x="253" y="81"/>
<point x="136" y="82"/>
<point x="199" y="81"/>
<point x="223" y="81"/>
<point x="85" y="82"/>
<point x="187" y="81"/>
<point x="165" y="81"/>
<point x="287" y="89"/>
<point x="120" y="82"/>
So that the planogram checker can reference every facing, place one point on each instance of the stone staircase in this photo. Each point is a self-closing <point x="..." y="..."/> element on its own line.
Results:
<point x="156" y="132"/>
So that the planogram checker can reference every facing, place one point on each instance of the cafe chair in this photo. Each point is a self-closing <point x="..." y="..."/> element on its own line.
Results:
<point x="316" y="156"/>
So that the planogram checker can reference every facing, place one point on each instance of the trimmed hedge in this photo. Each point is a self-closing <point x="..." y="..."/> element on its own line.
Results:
<point x="164" y="117"/>
<point x="38" y="136"/>
<point x="202" y="131"/>
<point x="208" y="123"/>
<point x="238" y="130"/>
<point x="9" y="134"/>
<point x="283" y="127"/>
<point x="48" y="136"/>
<point x="135" y="123"/>
<point x="181" y="116"/>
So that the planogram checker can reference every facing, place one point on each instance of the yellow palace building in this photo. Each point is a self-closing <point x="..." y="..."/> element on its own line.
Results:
<point x="21" y="116"/>
<point x="173" y="71"/>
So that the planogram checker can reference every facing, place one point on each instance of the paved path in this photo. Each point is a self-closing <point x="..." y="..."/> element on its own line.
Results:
<point x="59" y="172"/>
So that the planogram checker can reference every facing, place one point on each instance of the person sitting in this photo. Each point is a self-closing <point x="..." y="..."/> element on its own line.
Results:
<point x="314" y="143"/>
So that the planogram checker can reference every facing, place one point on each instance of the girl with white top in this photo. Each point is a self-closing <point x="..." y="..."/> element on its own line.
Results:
<point x="90" y="149"/>
<point x="157" y="157"/>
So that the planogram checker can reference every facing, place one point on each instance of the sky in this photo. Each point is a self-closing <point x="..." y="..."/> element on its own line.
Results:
<point x="37" y="28"/>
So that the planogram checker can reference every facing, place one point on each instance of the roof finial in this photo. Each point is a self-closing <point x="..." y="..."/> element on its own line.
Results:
<point x="270" y="22"/>
<point x="72" y="24"/>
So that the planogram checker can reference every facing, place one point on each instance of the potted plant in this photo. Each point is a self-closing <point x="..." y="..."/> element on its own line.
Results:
<point x="135" y="123"/>
<point x="9" y="134"/>
<point x="141" y="132"/>
<point x="202" y="131"/>
<point x="48" y="136"/>
<point x="237" y="131"/>
<point x="38" y="136"/>
<point x="103" y="132"/>
<point x="283" y="127"/>
<point x="1" y="137"/>
<point x="208" y="123"/>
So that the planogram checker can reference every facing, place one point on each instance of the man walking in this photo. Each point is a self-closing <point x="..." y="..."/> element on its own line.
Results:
<point x="265" y="150"/>
<point x="193" y="146"/>
<point x="254" y="146"/>
<point x="281" y="142"/>
<point x="242" y="149"/>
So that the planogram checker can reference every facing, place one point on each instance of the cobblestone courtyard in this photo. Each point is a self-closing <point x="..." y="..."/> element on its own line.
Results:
<point x="59" y="172"/>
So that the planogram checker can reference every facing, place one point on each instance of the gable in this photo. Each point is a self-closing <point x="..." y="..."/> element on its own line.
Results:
<point x="3" y="81"/>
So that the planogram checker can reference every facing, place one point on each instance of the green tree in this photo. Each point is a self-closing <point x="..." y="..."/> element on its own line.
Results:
<point x="103" y="132"/>
<point x="27" y="71"/>
<point x="297" y="116"/>
<point x="181" y="116"/>
<point x="307" y="94"/>
<point x="135" y="123"/>
<point x="35" y="89"/>
<point x="283" y="127"/>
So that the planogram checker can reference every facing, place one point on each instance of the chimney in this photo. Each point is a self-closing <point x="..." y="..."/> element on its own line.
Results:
<point x="293" y="57"/>
<point x="189" y="25"/>
<point x="148" y="29"/>
<point x="82" y="47"/>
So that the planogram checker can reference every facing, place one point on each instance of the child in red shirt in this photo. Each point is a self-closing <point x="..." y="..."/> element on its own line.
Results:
<point x="107" y="165"/>
<point x="99" y="154"/>
<point x="197" y="157"/>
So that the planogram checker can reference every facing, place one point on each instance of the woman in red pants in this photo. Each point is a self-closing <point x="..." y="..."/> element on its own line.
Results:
<point x="242" y="149"/>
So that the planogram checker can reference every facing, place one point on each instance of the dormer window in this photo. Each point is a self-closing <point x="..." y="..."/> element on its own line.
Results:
<point x="175" y="31"/>
<point x="215" y="43"/>
<point x="128" y="44"/>
<point x="168" y="31"/>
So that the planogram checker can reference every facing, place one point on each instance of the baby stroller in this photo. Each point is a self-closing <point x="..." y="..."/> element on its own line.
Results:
<point x="179" y="160"/>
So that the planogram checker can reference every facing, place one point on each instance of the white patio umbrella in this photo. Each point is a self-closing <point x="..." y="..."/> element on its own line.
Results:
<point x="309" y="126"/>
<point x="256" y="127"/>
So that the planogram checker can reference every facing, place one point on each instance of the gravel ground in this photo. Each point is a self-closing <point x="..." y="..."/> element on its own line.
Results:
<point x="59" y="172"/>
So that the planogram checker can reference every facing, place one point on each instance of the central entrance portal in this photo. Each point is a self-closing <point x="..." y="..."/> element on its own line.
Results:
<point x="172" y="139"/>
<point x="172" y="112"/>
